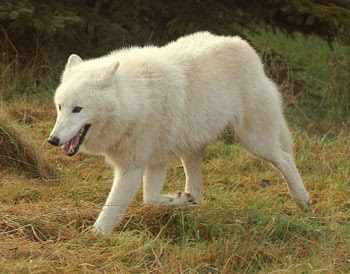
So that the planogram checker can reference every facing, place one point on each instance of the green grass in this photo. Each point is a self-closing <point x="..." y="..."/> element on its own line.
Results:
<point x="318" y="79"/>
<point x="239" y="225"/>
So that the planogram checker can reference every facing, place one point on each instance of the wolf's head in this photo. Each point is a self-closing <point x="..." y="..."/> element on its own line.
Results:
<point x="80" y="101"/>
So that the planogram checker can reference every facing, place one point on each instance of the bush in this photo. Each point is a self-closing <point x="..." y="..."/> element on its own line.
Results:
<point x="95" y="27"/>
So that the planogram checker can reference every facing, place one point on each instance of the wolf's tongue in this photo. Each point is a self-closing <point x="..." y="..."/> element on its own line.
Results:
<point x="75" y="141"/>
<point x="66" y="147"/>
<point x="72" y="144"/>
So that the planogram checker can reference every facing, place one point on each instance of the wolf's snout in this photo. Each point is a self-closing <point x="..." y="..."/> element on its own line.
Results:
<point x="53" y="141"/>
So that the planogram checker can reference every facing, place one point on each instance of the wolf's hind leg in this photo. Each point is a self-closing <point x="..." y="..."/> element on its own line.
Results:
<point x="275" y="146"/>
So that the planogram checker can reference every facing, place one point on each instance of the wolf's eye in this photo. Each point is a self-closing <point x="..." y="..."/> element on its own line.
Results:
<point x="59" y="107"/>
<point x="76" y="109"/>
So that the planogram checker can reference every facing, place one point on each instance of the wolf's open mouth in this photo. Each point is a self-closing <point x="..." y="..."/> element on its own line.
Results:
<point x="71" y="148"/>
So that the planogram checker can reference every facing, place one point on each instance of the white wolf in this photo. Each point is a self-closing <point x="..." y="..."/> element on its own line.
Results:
<point x="142" y="107"/>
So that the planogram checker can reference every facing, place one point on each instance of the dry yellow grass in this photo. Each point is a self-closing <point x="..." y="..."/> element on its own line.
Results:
<point x="238" y="226"/>
<point x="17" y="150"/>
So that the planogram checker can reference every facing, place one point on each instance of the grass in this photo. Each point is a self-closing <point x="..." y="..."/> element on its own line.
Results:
<point x="240" y="226"/>
<point x="317" y="77"/>
<point x="19" y="154"/>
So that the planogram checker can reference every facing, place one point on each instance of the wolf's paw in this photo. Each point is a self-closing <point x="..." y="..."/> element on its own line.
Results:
<point x="103" y="229"/>
<point x="181" y="199"/>
<point x="305" y="205"/>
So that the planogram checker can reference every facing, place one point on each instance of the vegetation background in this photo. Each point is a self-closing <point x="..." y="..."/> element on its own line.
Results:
<point x="246" y="221"/>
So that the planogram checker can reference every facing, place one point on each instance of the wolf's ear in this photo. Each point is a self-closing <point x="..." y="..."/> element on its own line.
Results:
<point x="112" y="68"/>
<point x="73" y="60"/>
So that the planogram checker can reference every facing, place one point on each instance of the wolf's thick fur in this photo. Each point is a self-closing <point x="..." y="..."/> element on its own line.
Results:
<point x="168" y="102"/>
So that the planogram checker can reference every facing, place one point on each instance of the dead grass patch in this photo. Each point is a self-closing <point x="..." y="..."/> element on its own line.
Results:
<point x="27" y="114"/>
<point x="17" y="153"/>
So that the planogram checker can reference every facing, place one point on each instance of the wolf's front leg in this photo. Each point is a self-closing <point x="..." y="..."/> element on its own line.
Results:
<point x="153" y="180"/>
<point x="124" y="188"/>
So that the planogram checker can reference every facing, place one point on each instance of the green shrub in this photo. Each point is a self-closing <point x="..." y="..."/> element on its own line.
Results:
<point x="94" y="27"/>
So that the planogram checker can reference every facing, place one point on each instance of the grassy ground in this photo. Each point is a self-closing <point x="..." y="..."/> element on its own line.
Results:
<point x="313" y="75"/>
<point x="240" y="226"/>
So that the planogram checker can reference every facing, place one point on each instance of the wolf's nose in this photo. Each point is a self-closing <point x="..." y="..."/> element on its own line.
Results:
<point x="53" y="141"/>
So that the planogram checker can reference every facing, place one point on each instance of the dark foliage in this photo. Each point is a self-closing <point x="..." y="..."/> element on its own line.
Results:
<point x="94" y="27"/>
